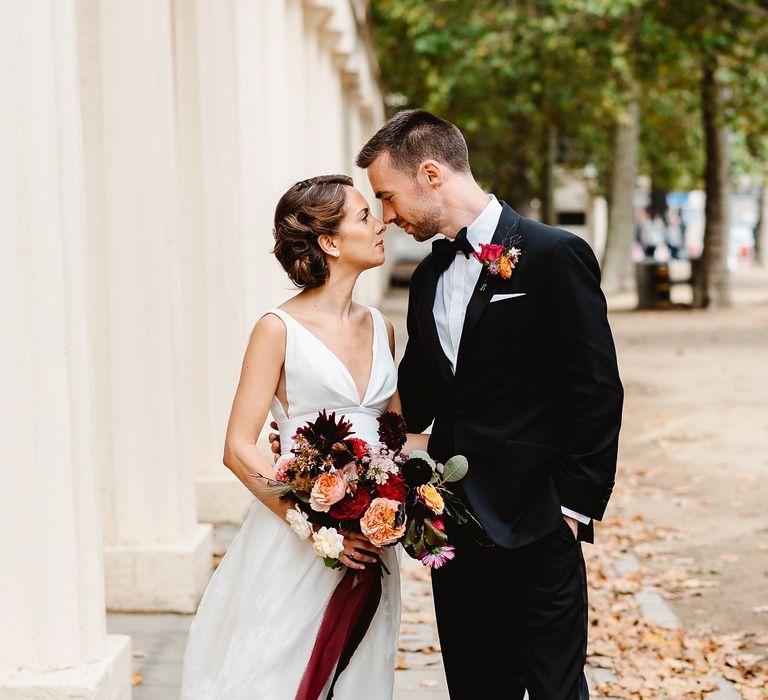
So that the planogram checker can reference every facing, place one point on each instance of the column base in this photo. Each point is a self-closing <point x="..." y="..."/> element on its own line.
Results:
<point x="108" y="679"/>
<point x="221" y="498"/>
<point x="168" y="577"/>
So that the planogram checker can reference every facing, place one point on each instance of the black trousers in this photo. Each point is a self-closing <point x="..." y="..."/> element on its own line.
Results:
<point x="513" y="619"/>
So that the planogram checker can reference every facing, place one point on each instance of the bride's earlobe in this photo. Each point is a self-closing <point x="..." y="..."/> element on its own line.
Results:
<point x="328" y="245"/>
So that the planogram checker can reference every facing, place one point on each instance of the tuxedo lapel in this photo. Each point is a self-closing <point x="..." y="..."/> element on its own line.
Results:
<point x="506" y="233"/>
<point x="426" y="319"/>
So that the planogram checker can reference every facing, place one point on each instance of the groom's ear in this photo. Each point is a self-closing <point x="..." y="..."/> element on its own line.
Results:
<point x="328" y="245"/>
<point x="431" y="172"/>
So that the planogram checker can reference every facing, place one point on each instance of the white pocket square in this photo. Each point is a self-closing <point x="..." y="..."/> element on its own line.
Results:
<point x="501" y="297"/>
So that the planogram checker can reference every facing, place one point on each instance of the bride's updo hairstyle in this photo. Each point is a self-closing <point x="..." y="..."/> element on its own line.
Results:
<point x="309" y="209"/>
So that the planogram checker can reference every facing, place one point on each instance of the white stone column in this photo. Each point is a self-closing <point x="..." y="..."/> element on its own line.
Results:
<point x="333" y="95"/>
<point x="53" y="640"/>
<point x="300" y="110"/>
<point x="214" y="324"/>
<point x="157" y="557"/>
<point x="266" y="73"/>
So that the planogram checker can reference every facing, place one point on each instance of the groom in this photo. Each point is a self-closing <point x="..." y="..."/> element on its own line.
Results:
<point x="518" y="373"/>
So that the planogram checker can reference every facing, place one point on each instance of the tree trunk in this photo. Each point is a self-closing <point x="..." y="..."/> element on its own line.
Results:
<point x="761" y="227"/>
<point x="713" y="283"/>
<point x="617" y="260"/>
<point x="517" y="189"/>
<point x="547" y="185"/>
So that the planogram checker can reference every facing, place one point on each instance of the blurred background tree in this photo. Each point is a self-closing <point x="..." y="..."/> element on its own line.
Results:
<point x="673" y="89"/>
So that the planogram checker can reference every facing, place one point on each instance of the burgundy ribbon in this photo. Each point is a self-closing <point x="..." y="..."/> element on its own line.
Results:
<point x="347" y="617"/>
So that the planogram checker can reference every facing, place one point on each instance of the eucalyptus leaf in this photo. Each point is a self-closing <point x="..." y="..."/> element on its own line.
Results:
<point x="455" y="468"/>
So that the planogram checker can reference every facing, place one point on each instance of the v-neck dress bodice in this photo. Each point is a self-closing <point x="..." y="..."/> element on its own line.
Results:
<point x="257" y="621"/>
<point x="316" y="379"/>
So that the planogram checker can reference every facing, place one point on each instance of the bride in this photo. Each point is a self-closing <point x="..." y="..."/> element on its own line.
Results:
<point x="256" y="625"/>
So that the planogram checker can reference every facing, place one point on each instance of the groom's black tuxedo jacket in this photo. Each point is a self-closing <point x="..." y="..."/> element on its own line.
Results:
<point x="535" y="403"/>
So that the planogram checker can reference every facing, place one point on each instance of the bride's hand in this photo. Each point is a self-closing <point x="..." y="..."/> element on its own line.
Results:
<point x="358" y="550"/>
<point x="274" y="442"/>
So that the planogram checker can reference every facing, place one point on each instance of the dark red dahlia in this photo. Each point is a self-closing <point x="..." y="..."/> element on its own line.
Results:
<point x="416" y="471"/>
<point x="326" y="431"/>
<point x="351" y="507"/>
<point x="392" y="430"/>
<point x="393" y="488"/>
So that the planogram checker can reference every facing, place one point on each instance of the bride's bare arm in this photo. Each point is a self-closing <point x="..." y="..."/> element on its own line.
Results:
<point x="259" y="377"/>
<point x="416" y="441"/>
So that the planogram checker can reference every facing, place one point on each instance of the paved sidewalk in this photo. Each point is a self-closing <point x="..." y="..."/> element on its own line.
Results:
<point x="158" y="641"/>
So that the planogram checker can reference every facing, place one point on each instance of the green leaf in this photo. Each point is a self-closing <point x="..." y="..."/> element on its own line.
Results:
<point x="434" y="536"/>
<point x="410" y="534"/>
<point x="455" y="468"/>
<point x="417" y="548"/>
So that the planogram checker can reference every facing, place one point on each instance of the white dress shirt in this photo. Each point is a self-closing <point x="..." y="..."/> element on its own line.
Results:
<point x="454" y="290"/>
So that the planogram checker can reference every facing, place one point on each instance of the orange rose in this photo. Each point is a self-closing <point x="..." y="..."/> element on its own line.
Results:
<point x="380" y="522"/>
<point x="431" y="498"/>
<point x="329" y="488"/>
<point x="505" y="267"/>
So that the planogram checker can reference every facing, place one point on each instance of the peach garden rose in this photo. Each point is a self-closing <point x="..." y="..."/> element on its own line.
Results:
<point x="329" y="488"/>
<point x="379" y="524"/>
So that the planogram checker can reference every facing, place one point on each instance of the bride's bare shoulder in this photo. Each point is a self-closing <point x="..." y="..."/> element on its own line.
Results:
<point x="269" y="328"/>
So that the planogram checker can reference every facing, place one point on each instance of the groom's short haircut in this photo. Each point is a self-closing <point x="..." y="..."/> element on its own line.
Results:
<point x="413" y="136"/>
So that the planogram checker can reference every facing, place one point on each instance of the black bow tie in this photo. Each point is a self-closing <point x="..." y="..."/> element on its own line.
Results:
<point x="444" y="251"/>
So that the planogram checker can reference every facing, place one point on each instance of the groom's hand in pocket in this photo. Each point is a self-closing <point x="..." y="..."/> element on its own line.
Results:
<point x="274" y="442"/>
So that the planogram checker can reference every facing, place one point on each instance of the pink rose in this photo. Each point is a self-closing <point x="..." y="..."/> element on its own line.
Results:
<point x="489" y="252"/>
<point x="329" y="488"/>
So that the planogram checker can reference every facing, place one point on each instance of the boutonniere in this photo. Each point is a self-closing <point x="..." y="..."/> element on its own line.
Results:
<point x="499" y="259"/>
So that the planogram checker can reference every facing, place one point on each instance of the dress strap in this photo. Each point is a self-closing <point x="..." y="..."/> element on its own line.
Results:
<point x="380" y="334"/>
<point x="279" y="313"/>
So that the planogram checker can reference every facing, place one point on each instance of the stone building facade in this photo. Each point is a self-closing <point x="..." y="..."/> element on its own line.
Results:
<point x="143" y="147"/>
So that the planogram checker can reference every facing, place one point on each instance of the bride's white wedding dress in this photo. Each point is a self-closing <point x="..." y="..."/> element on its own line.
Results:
<point x="256" y="623"/>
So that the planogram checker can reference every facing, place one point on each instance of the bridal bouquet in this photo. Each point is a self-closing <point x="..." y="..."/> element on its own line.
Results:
<point x="344" y="483"/>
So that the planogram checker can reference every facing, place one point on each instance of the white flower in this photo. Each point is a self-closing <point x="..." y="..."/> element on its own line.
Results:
<point x="328" y="543"/>
<point x="381" y="465"/>
<point x="299" y="522"/>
